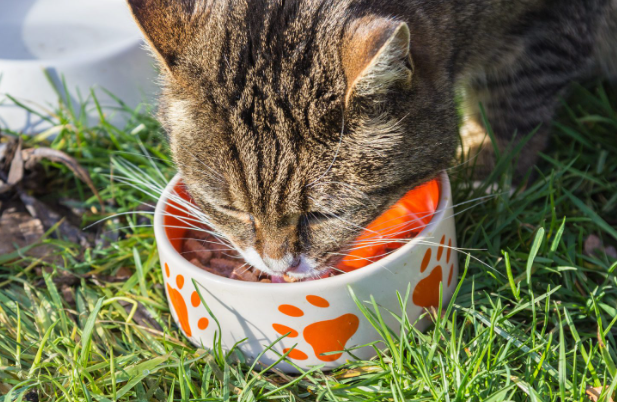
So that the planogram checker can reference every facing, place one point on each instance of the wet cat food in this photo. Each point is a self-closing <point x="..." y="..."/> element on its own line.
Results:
<point x="387" y="233"/>
<point x="207" y="252"/>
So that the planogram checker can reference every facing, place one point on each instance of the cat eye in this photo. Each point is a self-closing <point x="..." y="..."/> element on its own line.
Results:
<point x="228" y="208"/>
<point x="236" y="213"/>
<point x="318" y="217"/>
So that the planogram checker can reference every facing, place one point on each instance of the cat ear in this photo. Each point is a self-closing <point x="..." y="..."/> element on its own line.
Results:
<point x="376" y="57"/>
<point x="167" y="26"/>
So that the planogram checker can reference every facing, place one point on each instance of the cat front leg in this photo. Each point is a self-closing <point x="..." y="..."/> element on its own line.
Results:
<point x="521" y="84"/>
<point x="512" y="115"/>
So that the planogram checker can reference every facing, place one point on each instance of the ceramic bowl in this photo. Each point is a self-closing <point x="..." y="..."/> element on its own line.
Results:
<point x="88" y="43"/>
<point x="320" y="316"/>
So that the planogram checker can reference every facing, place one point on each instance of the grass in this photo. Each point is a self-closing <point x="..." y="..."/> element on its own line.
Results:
<point x="533" y="320"/>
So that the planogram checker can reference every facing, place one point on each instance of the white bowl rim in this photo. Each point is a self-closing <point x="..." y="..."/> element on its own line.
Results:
<point x="338" y="280"/>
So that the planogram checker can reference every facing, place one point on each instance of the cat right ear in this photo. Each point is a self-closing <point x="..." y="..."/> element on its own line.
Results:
<point x="167" y="25"/>
<point x="376" y="57"/>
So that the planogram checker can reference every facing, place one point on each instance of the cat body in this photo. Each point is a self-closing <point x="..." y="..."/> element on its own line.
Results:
<point x="295" y="123"/>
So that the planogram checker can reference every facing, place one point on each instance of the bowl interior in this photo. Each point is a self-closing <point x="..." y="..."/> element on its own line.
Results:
<point x="62" y="29"/>
<point x="406" y="219"/>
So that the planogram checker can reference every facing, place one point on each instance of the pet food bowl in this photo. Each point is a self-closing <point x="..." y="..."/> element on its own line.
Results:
<point x="320" y="317"/>
<point x="86" y="43"/>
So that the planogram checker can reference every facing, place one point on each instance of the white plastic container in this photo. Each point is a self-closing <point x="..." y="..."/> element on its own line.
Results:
<point x="89" y="43"/>
<point x="321" y="315"/>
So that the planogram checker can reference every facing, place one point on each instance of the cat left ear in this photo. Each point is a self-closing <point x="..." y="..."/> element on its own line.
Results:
<point x="376" y="57"/>
<point x="168" y="26"/>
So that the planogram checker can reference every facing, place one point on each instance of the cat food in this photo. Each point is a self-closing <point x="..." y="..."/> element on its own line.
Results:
<point x="206" y="252"/>
<point x="387" y="233"/>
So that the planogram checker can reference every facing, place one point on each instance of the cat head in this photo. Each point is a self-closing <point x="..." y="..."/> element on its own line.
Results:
<point x="294" y="124"/>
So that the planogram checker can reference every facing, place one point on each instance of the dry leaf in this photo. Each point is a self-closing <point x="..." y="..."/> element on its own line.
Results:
<point x="18" y="228"/>
<point x="4" y="187"/>
<point x="21" y="230"/>
<point x="600" y="338"/>
<point x="7" y="151"/>
<point x="32" y="156"/>
<point x="219" y="374"/>
<point x="68" y="294"/>
<point x="594" y="247"/>
<point x="123" y="273"/>
<point x="16" y="172"/>
<point x="32" y="396"/>
<point x="592" y="243"/>
<point x="5" y="388"/>
<point x="4" y="151"/>
<point x="49" y="218"/>
<point x="75" y="206"/>
<point x="141" y="317"/>
<point x="358" y="371"/>
<point x="594" y="394"/>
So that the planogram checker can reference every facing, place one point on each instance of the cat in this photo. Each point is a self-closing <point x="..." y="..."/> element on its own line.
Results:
<point x="295" y="123"/>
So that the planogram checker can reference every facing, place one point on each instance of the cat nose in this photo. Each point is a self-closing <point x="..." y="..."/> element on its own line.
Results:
<point x="295" y="262"/>
<point x="280" y="249"/>
<point x="283" y="264"/>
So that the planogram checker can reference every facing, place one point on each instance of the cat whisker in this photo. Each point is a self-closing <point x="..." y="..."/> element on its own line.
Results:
<point x="368" y="260"/>
<point x="218" y="177"/>
<point x="333" y="268"/>
<point x="334" y="215"/>
<point x="157" y="189"/>
<point x="429" y="243"/>
<point x="133" y="183"/>
<point x="136" y="172"/>
<point x="144" y="187"/>
<point x="246" y="267"/>
<point x="119" y="214"/>
<point x="358" y="258"/>
<point x="216" y="235"/>
<point x="156" y="168"/>
<point x="204" y="241"/>
<point x="116" y="216"/>
<point x="122" y="228"/>
<point x="188" y="252"/>
<point x="392" y="235"/>
<point x="404" y="241"/>
<point x="363" y="196"/>
<point x="154" y="189"/>
<point x="462" y="251"/>
<point x="179" y="163"/>
<point x="236" y="257"/>
<point x="419" y="215"/>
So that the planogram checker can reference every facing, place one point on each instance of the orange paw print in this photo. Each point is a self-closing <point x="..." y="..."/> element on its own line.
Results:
<point x="177" y="300"/>
<point x="426" y="292"/>
<point x="323" y="336"/>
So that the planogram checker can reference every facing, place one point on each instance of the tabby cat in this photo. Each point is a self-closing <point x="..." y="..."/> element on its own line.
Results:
<point x="294" y="123"/>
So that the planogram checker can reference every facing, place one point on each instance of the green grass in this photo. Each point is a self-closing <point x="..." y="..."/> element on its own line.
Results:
<point x="534" y="318"/>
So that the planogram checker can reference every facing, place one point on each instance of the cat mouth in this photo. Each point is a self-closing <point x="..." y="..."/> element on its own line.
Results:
<point x="307" y="269"/>
<point x="311" y="271"/>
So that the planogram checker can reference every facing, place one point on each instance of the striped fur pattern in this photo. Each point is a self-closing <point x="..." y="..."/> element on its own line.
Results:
<point x="295" y="123"/>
